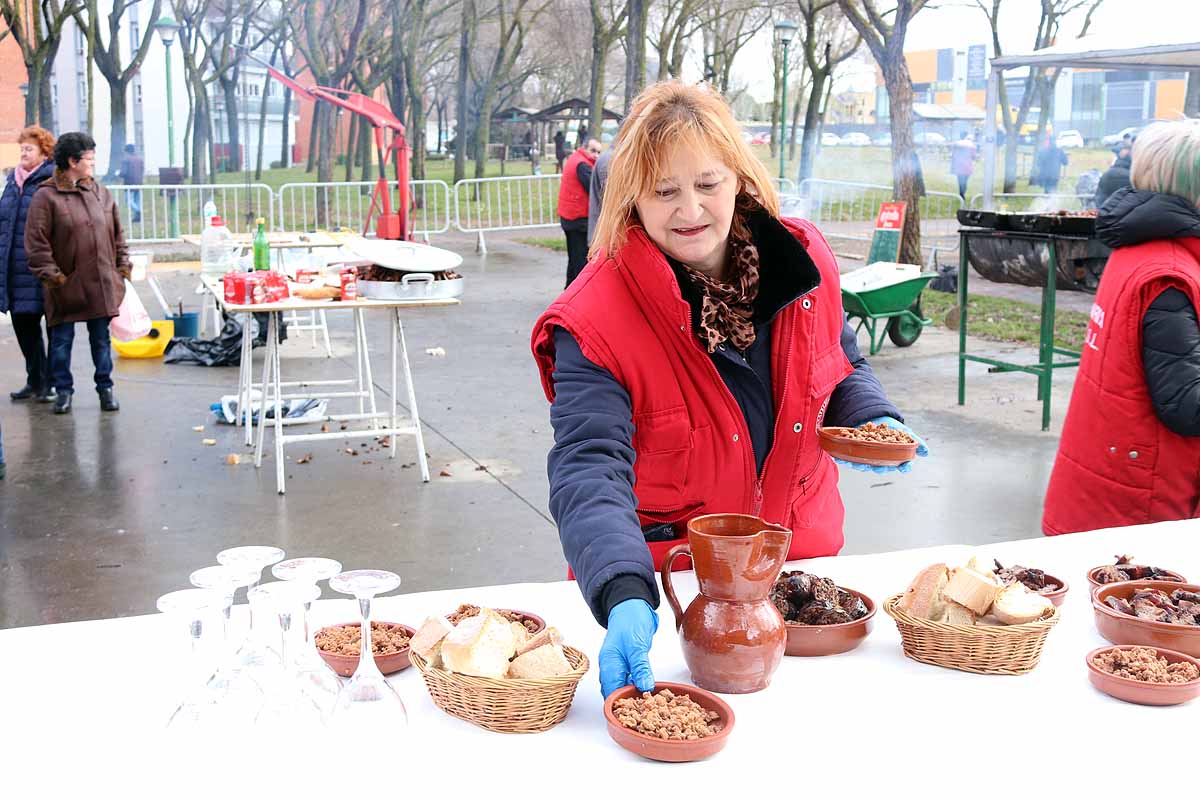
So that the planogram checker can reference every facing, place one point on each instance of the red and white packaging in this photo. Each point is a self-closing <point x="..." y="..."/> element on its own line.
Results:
<point x="275" y="285"/>
<point x="349" y="278"/>
<point x="308" y="275"/>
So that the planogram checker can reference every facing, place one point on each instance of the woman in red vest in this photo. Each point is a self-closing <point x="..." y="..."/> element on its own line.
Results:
<point x="1130" y="450"/>
<point x="690" y="365"/>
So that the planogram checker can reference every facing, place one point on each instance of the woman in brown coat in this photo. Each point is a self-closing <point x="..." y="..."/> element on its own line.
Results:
<point x="75" y="247"/>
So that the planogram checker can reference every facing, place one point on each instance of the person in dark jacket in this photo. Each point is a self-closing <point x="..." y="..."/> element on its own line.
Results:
<point x="1130" y="450"/>
<point x="1048" y="168"/>
<point x="1115" y="177"/>
<point x="76" y="248"/>
<point x="20" y="291"/>
<point x="690" y="366"/>
<point x="133" y="171"/>
<point x="573" y="204"/>
<point x="560" y="149"/>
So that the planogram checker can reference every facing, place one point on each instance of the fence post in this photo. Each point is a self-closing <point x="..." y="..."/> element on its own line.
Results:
<point x="481" y="245"/>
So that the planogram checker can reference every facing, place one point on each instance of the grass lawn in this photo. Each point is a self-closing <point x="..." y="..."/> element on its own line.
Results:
<point x="1001" y="320"/>
<point x="559" y="244"/>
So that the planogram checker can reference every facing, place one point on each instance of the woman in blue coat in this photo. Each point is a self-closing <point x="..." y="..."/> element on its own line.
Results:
<point x="20" y="291"/>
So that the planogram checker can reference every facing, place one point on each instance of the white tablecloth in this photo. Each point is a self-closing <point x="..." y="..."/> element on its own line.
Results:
<point x="866" y="723"/>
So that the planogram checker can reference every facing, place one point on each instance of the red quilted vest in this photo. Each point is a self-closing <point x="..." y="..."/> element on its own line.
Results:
<point x="573" y="195"/>
<point x="693" y="450"/>
<point x="1117" y="463"/>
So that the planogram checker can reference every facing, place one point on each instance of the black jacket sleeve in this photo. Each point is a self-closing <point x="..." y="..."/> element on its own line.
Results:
<point x="860" y="395"/>
<point x="591" y="476"/>
<point x="584" y="172"/>
<point x="1171" y="360"/>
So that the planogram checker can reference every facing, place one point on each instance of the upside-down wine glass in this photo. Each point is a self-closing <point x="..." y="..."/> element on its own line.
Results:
<point x="255" y="651"/>
<point x="234" y="687"/>
<point x="195" y="607"/>
<point x="321" y="681"/>
<point x="367" y="701"/>
<point x="288" y="703"/>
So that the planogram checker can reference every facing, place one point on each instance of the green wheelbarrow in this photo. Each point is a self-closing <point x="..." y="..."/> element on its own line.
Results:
<point x="897" y="305"/>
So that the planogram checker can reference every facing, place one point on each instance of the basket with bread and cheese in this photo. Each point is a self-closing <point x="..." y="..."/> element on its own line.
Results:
<point x="491" y="670"/>
<point x="969" y="619"/>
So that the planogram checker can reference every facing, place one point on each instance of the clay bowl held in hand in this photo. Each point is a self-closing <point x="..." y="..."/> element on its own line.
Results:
<point x="1143" y="692"/>
<point x="389" y="663"/>
<point x="1121" y="628"/>
<point x="675" y="750"/>
<point x="828" y="640"/>
<point x="1095" y="584"/>
<point x="839" y="444"/>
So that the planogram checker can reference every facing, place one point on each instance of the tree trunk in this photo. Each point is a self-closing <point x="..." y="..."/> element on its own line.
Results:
<point x="417" y="139"/>
<point x="46" y="100"/>
<point x="483" y="131"/>
<point x="812" y="125"/>
<point x="314" y="135"/>
<point x="285" y="146"/>
<point x="596" y="87"/>
<point x="233" y="160"/>
<point x="464" y="62"/>
<point x="366" y="144"/>
<point x="1011" y="139"/>
<point x="635" y="50"/>
<point x="908" y="182"/>
<point x="351" y="149"/>
<point x="791" y="139"/>
<point x="117" y="99"/>
<point x="262" y="121"/>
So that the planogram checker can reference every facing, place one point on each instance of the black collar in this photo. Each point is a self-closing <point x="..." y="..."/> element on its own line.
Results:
<point x="786" y="272"/>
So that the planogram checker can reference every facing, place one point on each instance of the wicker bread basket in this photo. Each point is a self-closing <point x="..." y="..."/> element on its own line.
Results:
<point x="986" y="649"/>
<point x="505" y="705"/>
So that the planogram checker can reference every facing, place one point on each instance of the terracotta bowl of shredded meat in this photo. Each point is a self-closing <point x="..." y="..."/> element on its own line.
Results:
<point x="676" y="723"/>
<point x="873" y="444"/>
<point x="1116" y="573"/>
<point x="1137" y="612"/>
<point x="1148" y="676"/>
<point x="340" y="645"/>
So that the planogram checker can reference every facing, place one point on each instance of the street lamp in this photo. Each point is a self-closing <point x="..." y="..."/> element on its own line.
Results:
<point x="785" y="31"/>
<point x="167" y="28"/>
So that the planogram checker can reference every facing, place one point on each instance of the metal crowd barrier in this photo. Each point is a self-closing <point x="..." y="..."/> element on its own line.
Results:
<point x="333" y="205"/>
<point x="153" y="213"/>
<point x="846" y="210"/>
<point x="505" y="204"/>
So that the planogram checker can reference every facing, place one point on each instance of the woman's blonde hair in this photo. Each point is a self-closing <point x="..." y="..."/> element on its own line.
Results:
<point x="665" y="116"/>
<point x="1166" y="158"/>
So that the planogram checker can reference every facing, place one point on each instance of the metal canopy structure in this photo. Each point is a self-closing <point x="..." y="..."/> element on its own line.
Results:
<point x="1172" y="50"/>
<point x="571" y="109"/>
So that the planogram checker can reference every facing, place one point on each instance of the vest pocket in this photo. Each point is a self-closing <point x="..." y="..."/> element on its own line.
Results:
<point x="828" y="369"/>
<point x="662" y="443"/>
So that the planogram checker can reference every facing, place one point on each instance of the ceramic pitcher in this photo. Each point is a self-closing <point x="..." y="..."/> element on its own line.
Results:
<point x="732" y="636"/>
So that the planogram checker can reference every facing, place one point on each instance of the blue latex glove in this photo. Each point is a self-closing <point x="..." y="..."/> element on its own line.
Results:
<point x="625" y="654"/>
<point x="891" y="422"/>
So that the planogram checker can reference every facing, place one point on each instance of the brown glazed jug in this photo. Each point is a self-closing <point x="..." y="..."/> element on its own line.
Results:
<point x="733" y="637"/>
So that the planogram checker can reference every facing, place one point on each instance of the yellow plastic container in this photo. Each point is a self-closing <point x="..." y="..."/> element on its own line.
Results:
<point x="152" y="345"/>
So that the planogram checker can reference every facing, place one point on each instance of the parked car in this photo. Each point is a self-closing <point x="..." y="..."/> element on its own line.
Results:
<point x="1114" y="139"/>
<point x="830" y="140"/>
<point x="1069" y="139"/>
<point x="856" y="139"/>
<point x="883" y="140"/>
<point x="929" y="137"/>
<point x="761" y="138"/>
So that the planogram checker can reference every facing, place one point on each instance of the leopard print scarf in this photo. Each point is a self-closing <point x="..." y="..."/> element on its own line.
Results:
<point x="727" y="310"/>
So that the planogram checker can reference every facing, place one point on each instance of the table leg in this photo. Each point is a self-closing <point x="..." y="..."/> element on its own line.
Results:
<point x="325" y="333"/>
<point x="394" y="322"/>
<point x="370" y="378"/>
<point x="245" y="400"/>
<point x="359" y="354"/>
<point x="268" y="378"/>
<point x="412" y="400"/>
<point x="1046" y="379"/>
<point x="272" y="329"/>
<point x="964" y="268"/>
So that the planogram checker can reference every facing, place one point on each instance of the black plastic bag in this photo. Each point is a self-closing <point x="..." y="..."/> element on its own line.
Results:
<point x="224" y="351"/>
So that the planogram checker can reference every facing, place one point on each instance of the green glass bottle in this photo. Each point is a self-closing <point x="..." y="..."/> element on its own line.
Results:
<point x="262" y="249"/>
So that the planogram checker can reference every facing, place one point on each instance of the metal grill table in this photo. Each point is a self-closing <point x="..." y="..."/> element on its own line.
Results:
<point x="1045" y="365"/>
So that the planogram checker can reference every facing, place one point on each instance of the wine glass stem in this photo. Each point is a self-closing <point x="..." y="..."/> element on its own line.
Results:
<point x="285" y="625"/>
<point x="366" y="659"/>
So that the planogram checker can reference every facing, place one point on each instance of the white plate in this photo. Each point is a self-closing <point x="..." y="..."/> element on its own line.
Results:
<point x="405" y="256"/>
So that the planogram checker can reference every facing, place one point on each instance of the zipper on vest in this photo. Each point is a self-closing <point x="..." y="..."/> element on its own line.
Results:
<point x="758" y="496"/>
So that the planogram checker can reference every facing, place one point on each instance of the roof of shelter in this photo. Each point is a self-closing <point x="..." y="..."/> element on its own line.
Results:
<point x="1171" y="50"/>
<point x="573" y="108"/>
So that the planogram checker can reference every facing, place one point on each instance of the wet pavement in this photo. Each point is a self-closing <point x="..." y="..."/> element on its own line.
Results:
<point x="102" y="513"/>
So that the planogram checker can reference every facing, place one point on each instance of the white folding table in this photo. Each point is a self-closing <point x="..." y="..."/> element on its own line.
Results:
<point x="386" y="422"/>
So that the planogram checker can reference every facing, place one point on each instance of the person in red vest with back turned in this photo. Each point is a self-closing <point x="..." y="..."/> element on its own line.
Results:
<point x="690" y="365"/>
<point x="1130" y="451"/>
<point x="573" y="204"/>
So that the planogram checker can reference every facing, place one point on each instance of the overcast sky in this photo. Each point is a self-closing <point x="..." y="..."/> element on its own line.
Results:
<point x="959" y="22"/>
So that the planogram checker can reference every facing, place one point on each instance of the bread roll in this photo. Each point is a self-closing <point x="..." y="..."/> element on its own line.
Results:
<point x="480" y="645"/>
<point x="429" y="638"/>
<point x="1016" y="605"/>
<point x="543" y="637"/>
<point x="546" y="661"/>
<point x="972" y="589"/>
<point x="520" y="635"/>
<point x="959" y="615"/>
<point x="923" y="599"/>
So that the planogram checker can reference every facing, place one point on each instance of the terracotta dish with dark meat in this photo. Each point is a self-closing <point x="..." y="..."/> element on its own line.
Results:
<point x="821" y="617"/>
<point x="1035" y="580"/>
<point x="1161" y="614"/>
<point x="1125" y="570"/>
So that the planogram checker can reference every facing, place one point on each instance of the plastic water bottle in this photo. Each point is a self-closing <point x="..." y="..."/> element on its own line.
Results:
<point x="216" y="248"/>
<point x="210" y="211"/>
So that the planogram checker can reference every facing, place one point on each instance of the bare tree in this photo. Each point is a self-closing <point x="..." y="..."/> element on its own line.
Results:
<point x="198" y="136"/>
<point x="827" y="40"/>
<point x="107" y="57"/>
<point x="607" y="22"/>
<point x="37" y="27"/>
<point x="636" y="12"/>
<point x="672" y="24"/>
<point x="726" y="27"/>
<point x="466" y="41"/>
<point x="884" y="32"/>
